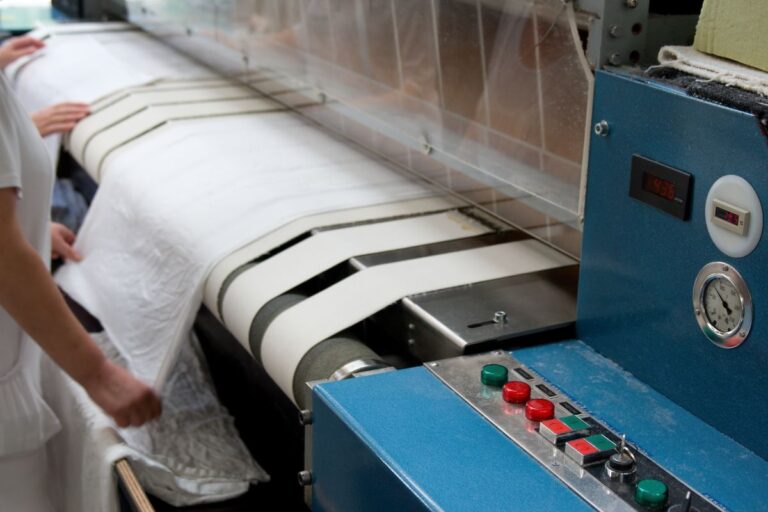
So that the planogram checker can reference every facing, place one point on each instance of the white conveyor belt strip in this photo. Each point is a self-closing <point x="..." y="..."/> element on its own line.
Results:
<point x="105" y="142"/>
<point x="160" y="85"/>
<point x="135" y="102"/>
<point x="292" y="334"/>
<point x="255" y="287"/>
<point x="278" y="237"/>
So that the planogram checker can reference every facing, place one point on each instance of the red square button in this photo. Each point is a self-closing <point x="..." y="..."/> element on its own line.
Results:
<point x="582" y="446"/>
<point x="557" y="427"/>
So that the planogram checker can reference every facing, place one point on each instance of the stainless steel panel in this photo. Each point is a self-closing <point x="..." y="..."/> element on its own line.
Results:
<point x="462" y="375"/>
<point x="448" y="323"/>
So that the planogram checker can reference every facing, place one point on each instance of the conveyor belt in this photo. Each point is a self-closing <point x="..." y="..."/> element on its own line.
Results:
<point x="255" y="287"/>
<point x="217" y="283"/>
<point x="297" y="330"/>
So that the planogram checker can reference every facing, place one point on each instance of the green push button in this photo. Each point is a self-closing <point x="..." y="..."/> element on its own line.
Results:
<point x="494" y="375"/>
<point x="574" y="422"/>
<point x="651" y="493"/>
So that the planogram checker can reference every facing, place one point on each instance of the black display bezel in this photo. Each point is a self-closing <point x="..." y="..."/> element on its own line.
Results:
<point x="679" y="207"/>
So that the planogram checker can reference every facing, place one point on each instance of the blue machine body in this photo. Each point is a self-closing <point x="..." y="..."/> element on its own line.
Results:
<point x="405" y="441"/>
<point x="639" y="264"/>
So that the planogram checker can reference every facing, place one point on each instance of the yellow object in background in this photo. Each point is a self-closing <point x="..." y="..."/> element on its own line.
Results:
<point x="736" y="30"/>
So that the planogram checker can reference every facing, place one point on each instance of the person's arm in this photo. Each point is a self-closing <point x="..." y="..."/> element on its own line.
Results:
<point x="29" y="295"/>
<point x="16" y="47"/>
<point x="59" y="118"/>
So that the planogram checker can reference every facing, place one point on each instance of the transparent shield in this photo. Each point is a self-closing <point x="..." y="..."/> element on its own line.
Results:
<point x="488" y="98"/>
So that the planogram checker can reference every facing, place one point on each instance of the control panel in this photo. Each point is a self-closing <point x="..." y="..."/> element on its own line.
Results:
<point x="600" y="465"/>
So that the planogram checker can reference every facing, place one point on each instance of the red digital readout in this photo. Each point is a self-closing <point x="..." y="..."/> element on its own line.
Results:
<point x="659" y="187"/>
<point x="727" y="216"/>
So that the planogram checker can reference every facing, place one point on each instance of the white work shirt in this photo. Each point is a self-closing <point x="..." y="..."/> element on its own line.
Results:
<point x="26" y="421"/>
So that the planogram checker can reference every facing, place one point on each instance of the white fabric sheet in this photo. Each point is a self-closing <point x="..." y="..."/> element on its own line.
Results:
<point x="86" y="67"/>
<point x="708" y="67"/>
<point x="159" y="224"/>
<point x="191" y="455"/>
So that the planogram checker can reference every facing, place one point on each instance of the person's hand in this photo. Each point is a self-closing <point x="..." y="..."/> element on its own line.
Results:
<point x="62" y="240"/>
<point x="59" y="118"/>
<point x="121" y="395"/>
<point x="16" y="47"/>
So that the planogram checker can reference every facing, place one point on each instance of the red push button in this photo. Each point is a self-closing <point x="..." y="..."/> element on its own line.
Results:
<point x="539" y="409"/>
<point x="516" y="392"/>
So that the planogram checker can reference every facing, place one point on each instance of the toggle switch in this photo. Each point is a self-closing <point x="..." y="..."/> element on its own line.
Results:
<point x="621" y="465"/>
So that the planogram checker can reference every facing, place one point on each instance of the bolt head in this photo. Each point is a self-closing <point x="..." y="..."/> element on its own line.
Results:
<point x="743" y="334"/>
<point x="630" y="3"/>
<point x="602" y="128"/>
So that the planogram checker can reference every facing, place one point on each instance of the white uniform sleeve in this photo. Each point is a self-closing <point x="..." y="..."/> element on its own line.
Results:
<point x="10" y="163"/>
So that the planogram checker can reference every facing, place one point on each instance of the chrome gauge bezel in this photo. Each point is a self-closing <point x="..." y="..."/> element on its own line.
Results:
<point x="707" y="274"/>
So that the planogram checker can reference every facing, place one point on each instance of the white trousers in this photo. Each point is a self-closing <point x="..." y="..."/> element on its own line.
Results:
<point x="24" y="482"/>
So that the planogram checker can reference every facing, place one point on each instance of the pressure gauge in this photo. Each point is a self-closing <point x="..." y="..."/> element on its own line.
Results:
<point x="723" y="305"/>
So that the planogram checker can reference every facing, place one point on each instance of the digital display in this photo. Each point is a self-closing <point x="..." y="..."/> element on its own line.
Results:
<point x="658" y="186"/>
<point x="729" y="217"/>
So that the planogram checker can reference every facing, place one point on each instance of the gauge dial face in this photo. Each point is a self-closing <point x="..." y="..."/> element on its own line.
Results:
<point x="723" y="305"/>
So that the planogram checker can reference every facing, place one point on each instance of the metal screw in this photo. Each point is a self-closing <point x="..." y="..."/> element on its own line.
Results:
<point x="630" y="3"/>
<point x="500" y="317"/>
<point x="426" y="147"/>
<point x="305" y="478"/>
<point x="497" y="352"/>
<point x="698" y="312"/>
<point x="614" y="59"/>
<point x="614" y="31"/>
<point x="726" y="268"/>
<point x="305" y="417"/>
<point x="602" y="128"/>
<point x="411" y="342"/>
<point x="411" y="327"/>
<point x="743" y="334"/>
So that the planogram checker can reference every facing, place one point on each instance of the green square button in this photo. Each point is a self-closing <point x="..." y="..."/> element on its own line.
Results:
<point x="601" y="442"/>
<point x="574" y="422"/>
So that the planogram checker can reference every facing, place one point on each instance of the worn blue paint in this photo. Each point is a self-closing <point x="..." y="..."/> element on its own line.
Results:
<point x="694" y="451"/>
<point x="404" y="441"/>
<point x="639" y="264"/>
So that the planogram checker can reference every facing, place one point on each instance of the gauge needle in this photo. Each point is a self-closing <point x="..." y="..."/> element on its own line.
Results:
<point x="725" y="304"/>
